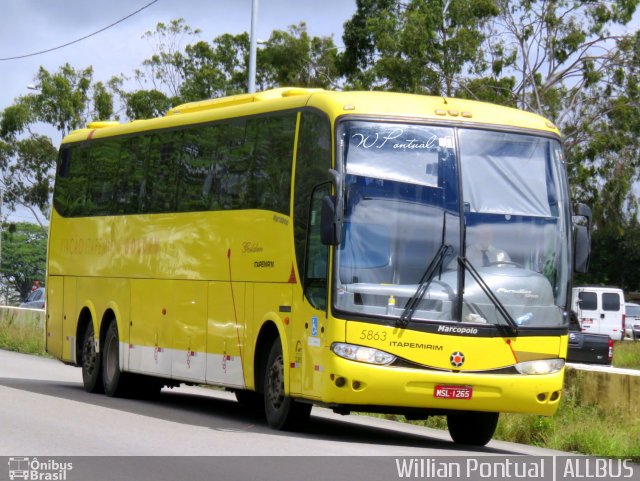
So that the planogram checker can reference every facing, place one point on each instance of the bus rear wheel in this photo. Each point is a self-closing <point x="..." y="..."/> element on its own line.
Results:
<point x="116" y="382"/>
<point x="281" y="411"/>
<point x="472" y="428"/>
<point x="91" y="367"/>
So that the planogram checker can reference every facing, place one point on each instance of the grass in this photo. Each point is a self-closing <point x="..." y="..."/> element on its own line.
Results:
<point x="576" y="428"/>
<point x="21" y="337"/>
<point x="627" y="354"/>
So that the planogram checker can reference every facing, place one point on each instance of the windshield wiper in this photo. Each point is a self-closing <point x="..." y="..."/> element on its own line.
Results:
<point x="412" y="304"/>
<point x="466" y="264"/>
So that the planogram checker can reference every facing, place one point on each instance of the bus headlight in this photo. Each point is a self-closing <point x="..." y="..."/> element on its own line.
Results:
<point x="362" y="354"/>
<point x="542" y="366"/>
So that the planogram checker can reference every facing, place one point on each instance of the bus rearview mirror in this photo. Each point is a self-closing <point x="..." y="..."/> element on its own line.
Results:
<point x="581" y="238"/>
<point x="330" y="225"/>
<point x="581" y="249"/>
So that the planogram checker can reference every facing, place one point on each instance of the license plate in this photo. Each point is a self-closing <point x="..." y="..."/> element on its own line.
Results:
<point x="452" y="392"/>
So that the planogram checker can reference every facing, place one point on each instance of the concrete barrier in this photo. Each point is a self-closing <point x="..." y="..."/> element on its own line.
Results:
<point x="21" y="316"/>
<point x="606" y="387"/>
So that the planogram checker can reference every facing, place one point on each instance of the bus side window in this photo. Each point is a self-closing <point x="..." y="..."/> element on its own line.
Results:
<point x="104" y="182"/>
<point x="194" y="170"/>
<point x="133" y="171"/>
<point x="162" y="168"/>
<point x="72" y="197"/>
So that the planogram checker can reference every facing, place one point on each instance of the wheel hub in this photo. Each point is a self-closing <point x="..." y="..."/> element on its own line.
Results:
<point x="275" y="386"/>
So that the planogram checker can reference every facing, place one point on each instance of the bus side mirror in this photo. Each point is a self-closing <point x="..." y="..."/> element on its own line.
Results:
<point x="330" y="225"/>
<point x="581" y="238"/>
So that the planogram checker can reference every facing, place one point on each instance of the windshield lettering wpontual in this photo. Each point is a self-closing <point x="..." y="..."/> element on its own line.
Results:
<point x="403" y="203"/>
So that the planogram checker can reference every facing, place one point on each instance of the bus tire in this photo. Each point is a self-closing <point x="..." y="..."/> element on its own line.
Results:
<point x="91" y="365"/>
<point x="471" y="427"/>
<point x="116" y="382"/>
<point x="282" y="412"/>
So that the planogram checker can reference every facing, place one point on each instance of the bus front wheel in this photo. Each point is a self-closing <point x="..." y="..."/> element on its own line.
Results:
<point x="91" y="368"/>
<point x="473" y="428"/>
<point x="281" y="411"/>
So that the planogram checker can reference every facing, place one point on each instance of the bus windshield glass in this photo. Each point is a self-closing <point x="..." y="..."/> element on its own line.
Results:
<point x="497" y="198"/>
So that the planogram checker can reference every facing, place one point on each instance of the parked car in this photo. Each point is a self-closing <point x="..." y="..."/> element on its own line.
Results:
<point x="586" y="347"/>
<point x="600" y="310"/>
<point x="35" y="299"/>
<point x="632" y="321"/>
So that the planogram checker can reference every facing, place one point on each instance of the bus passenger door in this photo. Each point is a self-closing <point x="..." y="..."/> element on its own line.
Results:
<point x="311" y="334"/>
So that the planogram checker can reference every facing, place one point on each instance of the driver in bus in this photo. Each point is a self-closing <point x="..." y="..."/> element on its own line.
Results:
<point x="481" y="251"/>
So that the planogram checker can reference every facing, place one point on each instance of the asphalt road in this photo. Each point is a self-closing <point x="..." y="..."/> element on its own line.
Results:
<point x="45" y="412"/>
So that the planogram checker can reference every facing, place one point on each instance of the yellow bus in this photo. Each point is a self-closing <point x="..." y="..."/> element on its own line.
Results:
<point x="361" y="251"/>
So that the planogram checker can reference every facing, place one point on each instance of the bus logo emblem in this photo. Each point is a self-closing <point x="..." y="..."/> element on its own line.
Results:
<point x="457" y="359"/>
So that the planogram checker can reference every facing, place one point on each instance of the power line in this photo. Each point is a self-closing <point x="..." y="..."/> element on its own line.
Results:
<point x="80" y="39"/>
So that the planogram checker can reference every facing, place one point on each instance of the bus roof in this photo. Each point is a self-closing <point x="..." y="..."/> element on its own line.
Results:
<point x="335" y="104"/>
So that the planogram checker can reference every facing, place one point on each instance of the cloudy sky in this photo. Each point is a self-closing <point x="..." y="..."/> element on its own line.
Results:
<point x="30" y="26"/>
<point x="35" y="25"/>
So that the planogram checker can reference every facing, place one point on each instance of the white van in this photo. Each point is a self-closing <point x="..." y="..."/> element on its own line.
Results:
<point x="600" y="310"/>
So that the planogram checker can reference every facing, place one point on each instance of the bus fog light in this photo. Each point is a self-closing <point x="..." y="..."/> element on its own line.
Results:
<point x="543" y="366"/>
<point x="362" y="354"/>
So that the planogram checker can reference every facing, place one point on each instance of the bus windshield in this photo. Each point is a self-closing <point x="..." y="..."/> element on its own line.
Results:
<point x="498" y="199"/>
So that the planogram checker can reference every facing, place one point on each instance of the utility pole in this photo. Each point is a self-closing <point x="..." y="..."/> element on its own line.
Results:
<point x="253" y="47"/>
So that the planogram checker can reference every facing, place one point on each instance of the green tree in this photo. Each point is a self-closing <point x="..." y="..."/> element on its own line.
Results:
<point x="216" y="69"/>
<point x="415" y="46"/>
<point x="571" y="68"/>
<point x="27" y="174"/>
<point x="146" y="104"/>
<point x="66" y="100"/>
<point x="204" y="70"/>
<point x="606" y="154"/>
<point x="294" y="58"/>
<point x="559" y="49"/>
<point x="24" y="256"/>
<point x="175" y="74"/>
<point x="164" y="71"/>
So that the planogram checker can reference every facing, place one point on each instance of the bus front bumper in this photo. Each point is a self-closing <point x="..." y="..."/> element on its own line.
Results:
<point x="350" y="383"/>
